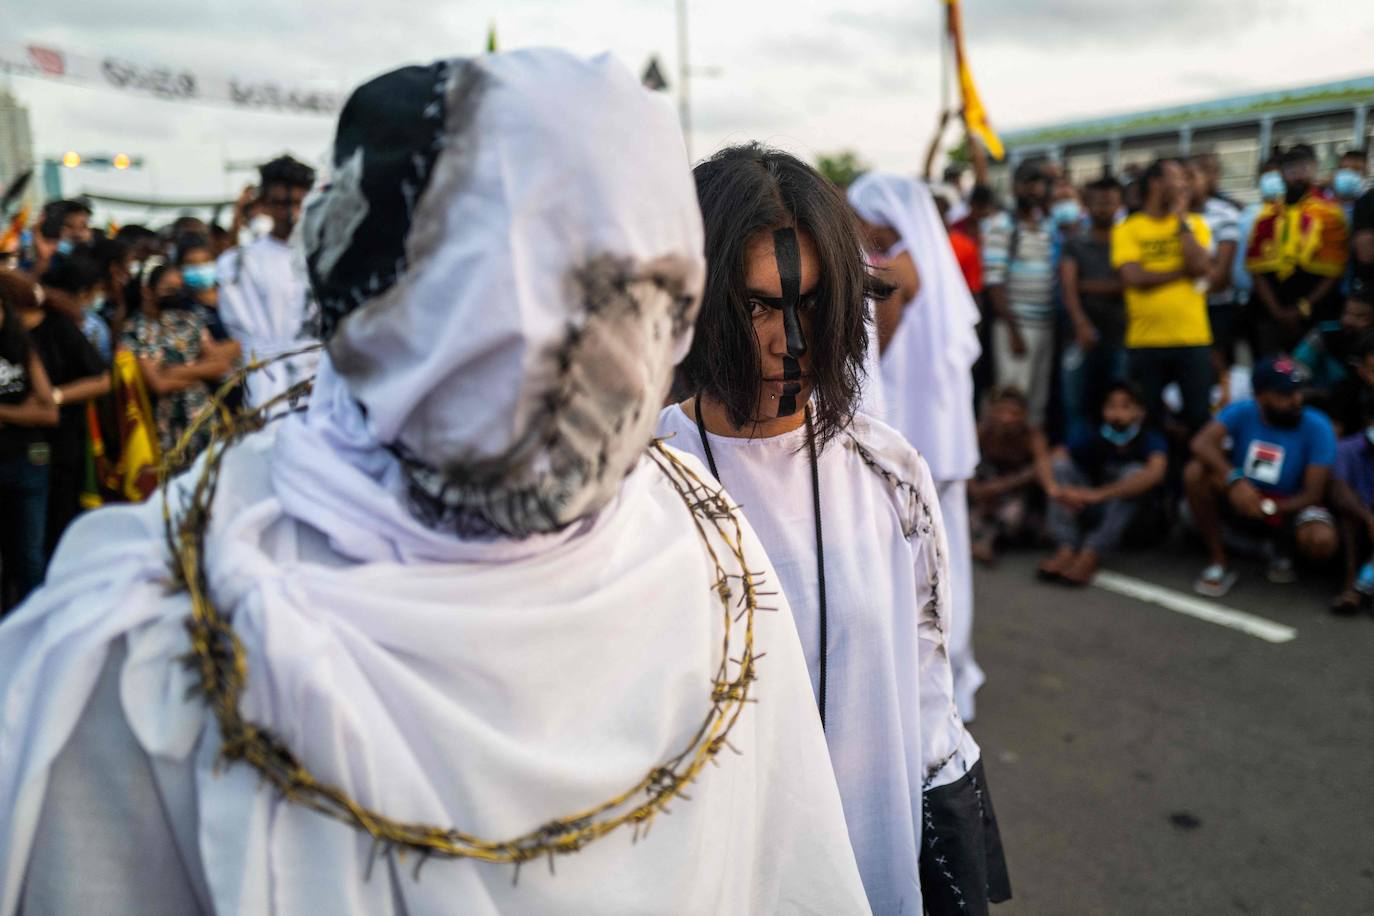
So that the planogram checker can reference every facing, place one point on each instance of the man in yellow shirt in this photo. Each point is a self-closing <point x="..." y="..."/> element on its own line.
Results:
<point x="1162" y="253"/>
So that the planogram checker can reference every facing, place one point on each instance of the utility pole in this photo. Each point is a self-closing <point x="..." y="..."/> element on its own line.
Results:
<point x="684" y="92"/>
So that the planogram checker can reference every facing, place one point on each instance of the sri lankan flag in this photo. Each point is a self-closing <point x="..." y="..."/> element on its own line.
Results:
<point x="975" y="115"/>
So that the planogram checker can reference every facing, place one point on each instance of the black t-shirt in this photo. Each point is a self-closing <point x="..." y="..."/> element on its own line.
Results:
<point x="67" y="356"/>
<point x="1102" y="461"/>
<point x="1094" y="260"/>
<point x="15" y="387"/>
<point x="1363" y="219"/>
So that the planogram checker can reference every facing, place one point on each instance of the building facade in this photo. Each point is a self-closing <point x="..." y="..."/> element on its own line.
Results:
<point x="1241" y="130"/>
<point x="16" y="144"/>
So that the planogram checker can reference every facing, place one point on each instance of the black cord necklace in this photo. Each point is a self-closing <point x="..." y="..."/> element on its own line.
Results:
<point x="820" y="539"/>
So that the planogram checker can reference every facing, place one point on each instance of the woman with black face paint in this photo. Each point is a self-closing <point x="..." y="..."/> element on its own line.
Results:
<point x="849" y="516"/>
<point x="175" y="353"/>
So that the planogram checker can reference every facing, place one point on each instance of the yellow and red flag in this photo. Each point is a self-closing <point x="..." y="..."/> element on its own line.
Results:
<point x="975" y="115"/>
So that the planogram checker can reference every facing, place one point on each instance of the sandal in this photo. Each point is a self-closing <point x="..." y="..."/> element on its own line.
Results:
<point x="1348" y="603"/>
<point x="1216" y="580"/>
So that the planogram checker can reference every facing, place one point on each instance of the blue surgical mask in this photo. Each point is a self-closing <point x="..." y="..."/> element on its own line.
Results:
<point x="1346" y="183"/>
<point x="1369" y="434"/>
<point x="97" y="304"/>
<point x="1066" y="212"/>
<point x="1120" y="437"/>
<point x="198" y="276"/>
<point x="65" y="247"/>
<point x="1272" y="186"/>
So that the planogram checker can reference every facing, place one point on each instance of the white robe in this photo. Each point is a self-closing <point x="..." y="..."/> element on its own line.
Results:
<point x="516" y="682"/>
<point x="262" y="302"/>
<point x="891" y="722"/>
<point x="928" y="381"/>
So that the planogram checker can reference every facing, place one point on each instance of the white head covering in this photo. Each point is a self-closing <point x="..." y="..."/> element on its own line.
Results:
<point x="489" y="684"/>
<point x="927" y="369"/>
<point x="506" y="318"/>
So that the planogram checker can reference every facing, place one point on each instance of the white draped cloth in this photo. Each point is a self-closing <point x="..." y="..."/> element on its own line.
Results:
<point x="928" y="380"/>
<point x="891" y="722"/>
<point x="263" y="304"/>
<point x="491" y="685"/>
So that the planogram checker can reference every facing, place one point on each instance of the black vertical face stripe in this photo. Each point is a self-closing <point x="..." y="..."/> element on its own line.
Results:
<point x="788" y="255"/>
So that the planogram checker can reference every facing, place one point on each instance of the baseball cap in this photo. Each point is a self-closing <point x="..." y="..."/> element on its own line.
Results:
<point x="1278" y="373"/>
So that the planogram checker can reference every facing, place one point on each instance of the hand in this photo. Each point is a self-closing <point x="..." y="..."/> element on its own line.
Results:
<point x="1246" y="499"/>
<point x="246" y="197"/>
<point x="1075" y="499"/>
<point x="1018" y="343"/>
<point x="1085" y="335"/>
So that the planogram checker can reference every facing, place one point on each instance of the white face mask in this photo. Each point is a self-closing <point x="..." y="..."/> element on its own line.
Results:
<point x="261" y="225"/>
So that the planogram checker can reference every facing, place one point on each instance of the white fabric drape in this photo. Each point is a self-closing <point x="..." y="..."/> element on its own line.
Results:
<point x="928" y="377"/>
<point x="491" y="685"/>
<point x="891" y="723"/>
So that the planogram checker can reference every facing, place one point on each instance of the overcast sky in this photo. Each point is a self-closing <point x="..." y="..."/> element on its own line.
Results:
<point x="811" y="77"/>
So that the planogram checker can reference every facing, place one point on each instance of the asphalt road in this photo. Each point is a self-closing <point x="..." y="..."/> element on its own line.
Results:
<point x="1147" y="762"/>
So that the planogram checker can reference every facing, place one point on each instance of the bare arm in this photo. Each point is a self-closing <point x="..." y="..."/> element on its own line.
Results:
<point x="1345" y="501"/>
<point x="1136" y="277"/>
<point x="934" y="149"/>
<point x="1138" y="483"/>
<point x="85" y="389"/>
<point x="1044" y="461"/>
<point x="1207" y="448"/>
<point x="1084" y="332"/>
<point x="980" y="160"/>
<point x="1363" y="246"/>
<point x="1219" y="280"/>
<point x="1314" y="482"/>
<point x="1197" y="260"/>
<point x="38" y="409"/>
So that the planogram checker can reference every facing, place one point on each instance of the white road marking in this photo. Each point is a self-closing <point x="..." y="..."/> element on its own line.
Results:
<point x="1193" y="606"/>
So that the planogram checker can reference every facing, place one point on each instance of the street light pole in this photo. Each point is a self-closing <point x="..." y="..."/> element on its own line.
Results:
<point x="684" y="101"/>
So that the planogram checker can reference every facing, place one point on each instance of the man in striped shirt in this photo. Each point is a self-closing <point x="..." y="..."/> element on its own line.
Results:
<point x="1018" y="275"/>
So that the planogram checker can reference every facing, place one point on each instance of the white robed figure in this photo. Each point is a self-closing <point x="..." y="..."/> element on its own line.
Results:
<point x="459" y="612"/>
<point x="848" y="513"/>
<point x="927" y="372"/>
<point x="264" y="299"/>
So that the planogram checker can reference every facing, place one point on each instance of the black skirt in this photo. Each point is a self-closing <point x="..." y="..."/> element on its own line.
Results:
<point x="963" y="868"/>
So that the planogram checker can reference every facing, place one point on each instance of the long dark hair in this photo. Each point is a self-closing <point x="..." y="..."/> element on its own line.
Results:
<point x="745" y="189"/>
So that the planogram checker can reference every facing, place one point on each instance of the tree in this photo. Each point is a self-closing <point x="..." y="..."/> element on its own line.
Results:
<point x="842" y="167"/>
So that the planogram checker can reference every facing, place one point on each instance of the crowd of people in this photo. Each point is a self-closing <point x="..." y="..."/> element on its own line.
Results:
<point x="1160" y="357"/>
<point x="112" y="341"/>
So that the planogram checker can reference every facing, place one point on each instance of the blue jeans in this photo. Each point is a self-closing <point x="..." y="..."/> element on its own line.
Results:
<point x="23" y="523"/>
<point x="1083" y="385"/>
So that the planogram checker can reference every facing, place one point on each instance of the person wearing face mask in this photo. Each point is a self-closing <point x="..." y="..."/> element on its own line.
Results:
<point x="1348" y="182"/>
<point x="176" y="354"/>
<point x="1264" y="464"/>
<point x="1018" y="276"/>
<point x="1325" y="355"/>
<point x="1098" y="483"/>
<point x="263" y="299"/>
<point x="1297" y="255"/>
<point x="847" y="510"/>
<point x="1362" y="239"/>
<point x="1352" y="491"/>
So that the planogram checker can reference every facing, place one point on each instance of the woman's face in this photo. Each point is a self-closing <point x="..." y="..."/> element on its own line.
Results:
<point x="763" y="283"/>
<point x="169" y="287"/>
<point x="880" y="238"/>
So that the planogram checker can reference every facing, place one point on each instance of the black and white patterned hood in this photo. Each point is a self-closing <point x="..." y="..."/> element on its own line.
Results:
<point x="508" y="261"/>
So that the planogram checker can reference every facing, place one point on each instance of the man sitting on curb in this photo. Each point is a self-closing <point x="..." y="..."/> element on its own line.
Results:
<point x="1270" y="476"/>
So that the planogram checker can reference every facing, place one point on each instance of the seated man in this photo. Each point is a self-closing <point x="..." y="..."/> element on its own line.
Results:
<point x="460" y="609"/>
<point x="1272" y="478"/>
<point x="1004" y="484"/>
<point x="1096" y="485"/>
<point x="1326" y="352"/>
